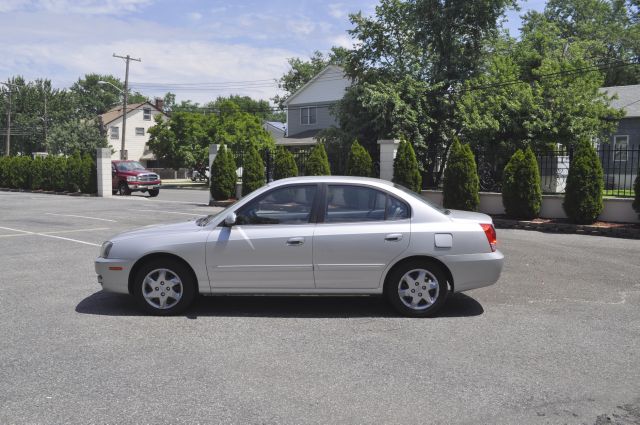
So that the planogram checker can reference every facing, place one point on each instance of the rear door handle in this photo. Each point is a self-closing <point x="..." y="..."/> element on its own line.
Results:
<point x="295" y="241"/>
<point x="393" y="237"/>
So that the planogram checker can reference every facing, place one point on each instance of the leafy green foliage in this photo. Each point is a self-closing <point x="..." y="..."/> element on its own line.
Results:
<point x="284" y="164"/>
<point x="521" y="193"/>
<point x="318" y="163"/>
<point x="223" y="175"/>
<point x="252" y="171"/>
<point x="405" y="168"/>
<point x="636" y="190"/>
<point x="74" y="178"/>
<point x="359" y="161"/>
<point x="50" y="173"/>
<point x="461" y="183"/>
<point x="89" y="174"/>
<point x="583" y="193"/>
<point x="76" y="136"/>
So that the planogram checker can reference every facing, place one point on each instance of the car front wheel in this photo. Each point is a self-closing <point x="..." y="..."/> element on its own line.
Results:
<point x="164" y="287"/>
<point x="154" y="192"/>
<point x="417" y="289"/>
<point x="123" y="189"/>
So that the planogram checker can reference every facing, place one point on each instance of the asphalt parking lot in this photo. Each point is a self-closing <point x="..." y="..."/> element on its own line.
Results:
<point x="556" y="341"/>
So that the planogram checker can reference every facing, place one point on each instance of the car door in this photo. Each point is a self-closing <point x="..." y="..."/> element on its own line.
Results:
<point x="270" y="246"/>
<point x="361" y="230"/>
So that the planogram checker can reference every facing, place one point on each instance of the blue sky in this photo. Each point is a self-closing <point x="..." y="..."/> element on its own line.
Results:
<point x="179" y="42"/>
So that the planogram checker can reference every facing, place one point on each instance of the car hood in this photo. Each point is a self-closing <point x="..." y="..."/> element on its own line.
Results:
<point x="160" y="229"/>
<point x="469" y="216"/>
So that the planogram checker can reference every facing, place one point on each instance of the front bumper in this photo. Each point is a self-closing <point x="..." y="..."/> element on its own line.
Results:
<point x="134" y="186"/>
<point x="113" y="274"/>
<point x="471" y="271"/>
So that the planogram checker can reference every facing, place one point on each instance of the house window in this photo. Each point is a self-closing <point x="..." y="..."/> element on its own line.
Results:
<point x="308" y="115"/>
<point x="115" y="132"/>
<point x="146" y="114"/>
<point x="620" y="146"/>
<point x="139" y="131"/>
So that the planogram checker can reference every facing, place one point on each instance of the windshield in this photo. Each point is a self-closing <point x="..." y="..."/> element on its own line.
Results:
<point x="422" y="199"/>
<point x="129" y="166"/>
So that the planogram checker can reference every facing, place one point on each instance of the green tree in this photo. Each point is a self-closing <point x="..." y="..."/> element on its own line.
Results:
<point x="284" y="164"/>
<point x="76" y="135"/>
<point x="93" y="98"/>
<point x="521" y="192"/>
<point x="359" y="161"/>
<point x="583" y="193"/>
<point x="405" y="168"/>
<point x="252" y="171"/>
<point x="318" y="163"/>
<point x="461" y="183"/>
<point x="223" y="175"/>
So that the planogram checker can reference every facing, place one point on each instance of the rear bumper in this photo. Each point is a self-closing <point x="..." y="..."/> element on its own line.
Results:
<point x="113" y="274"/>
<point x="473" y="271"/>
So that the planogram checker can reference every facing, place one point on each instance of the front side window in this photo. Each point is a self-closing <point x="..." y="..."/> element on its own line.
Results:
<point x="285" y="205"/>
<point x="146" y="114"/>
<point x="347" y="203"/>
<point x="308" y="115"/>
<point x="139" y="131"/>
<point x="620" y="146"/>
<point x="115" y="132"/>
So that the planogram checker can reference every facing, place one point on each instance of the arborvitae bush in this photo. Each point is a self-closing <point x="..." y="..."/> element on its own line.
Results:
<point x="252" y="171"/>
<point x="461" y="182"/>
<point x="318" y="163"/>
<point x="59" y="174"/>
<point x="405" y="168"/>
<point x="359" y="161"/>
<point x="284" y="164"/>
<point x="21" y="172"/>
<point x="223" y="175"/>
<point x="89" y="174"/>
<point x="521" y="193"/>
<point x="4" y="163"/>
<point x="74" y="172"/>
<point x="583" y="194"/>
<point x="37" y="173"/>
<point x="636" y="189"/>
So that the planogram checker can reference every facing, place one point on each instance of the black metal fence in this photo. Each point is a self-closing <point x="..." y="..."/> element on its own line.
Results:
<point x="620" y="169"/>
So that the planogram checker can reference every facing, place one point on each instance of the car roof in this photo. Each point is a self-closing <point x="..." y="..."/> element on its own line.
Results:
<point x="332" y="179"/>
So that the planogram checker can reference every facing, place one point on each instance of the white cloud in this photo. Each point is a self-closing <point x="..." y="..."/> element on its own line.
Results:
<point x="83" y="7"/>
<point x="11" y="5"/>
<point x="342" y="40"/>
<point x="195" y="16"/>
<point x="338" y="10"/>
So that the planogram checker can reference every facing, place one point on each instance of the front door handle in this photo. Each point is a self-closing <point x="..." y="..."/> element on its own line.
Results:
<point x="295" y="241"/>
<point x="393" y="237"/>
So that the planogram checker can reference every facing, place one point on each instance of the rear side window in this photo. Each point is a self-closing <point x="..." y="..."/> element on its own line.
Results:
<point x="346" y="203"/>
<point x="285" y="205"/>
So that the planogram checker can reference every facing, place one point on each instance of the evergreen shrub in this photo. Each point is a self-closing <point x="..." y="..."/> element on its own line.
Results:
<point x="359" y="161"/>
<point x="223" y="175"/>
<point x="284" y="164"/>
<point x="583" y="193"/>
<point x="253" y="171"/>
<point x="318" y="163"/>
<point x="405" y="168"/>
<point x="461" y="182"/>
<point x="521" y="192"/>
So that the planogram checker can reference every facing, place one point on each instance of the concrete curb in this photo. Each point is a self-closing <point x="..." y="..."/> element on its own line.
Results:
<point x="49" y="192"/>
<point x="619" y="230"/>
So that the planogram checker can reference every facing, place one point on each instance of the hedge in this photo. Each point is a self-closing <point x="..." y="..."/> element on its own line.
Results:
<point x="52" y="173"/>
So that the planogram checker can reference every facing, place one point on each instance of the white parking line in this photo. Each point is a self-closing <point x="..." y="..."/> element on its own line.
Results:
<point x="56" y="232"/>
<point x="49" y="236"/>
<point x="82" y="216"/>
<point x="171" y="212"/>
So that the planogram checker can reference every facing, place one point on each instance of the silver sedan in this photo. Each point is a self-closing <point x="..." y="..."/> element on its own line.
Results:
<point x="309" y="235"/>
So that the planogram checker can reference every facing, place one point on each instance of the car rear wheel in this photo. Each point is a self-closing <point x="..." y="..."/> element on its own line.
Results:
<point x="417" y="289"/>
<point x="123" y="189"/>
<point x="164" y="287"/>
<point x="154" y="192"/>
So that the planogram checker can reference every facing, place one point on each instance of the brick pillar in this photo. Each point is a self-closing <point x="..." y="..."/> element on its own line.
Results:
<point x="388" y="149"/>
<point x="103" y="165"/>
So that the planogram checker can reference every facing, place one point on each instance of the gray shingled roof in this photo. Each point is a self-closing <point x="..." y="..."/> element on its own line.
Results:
<point x="628" y="99"/>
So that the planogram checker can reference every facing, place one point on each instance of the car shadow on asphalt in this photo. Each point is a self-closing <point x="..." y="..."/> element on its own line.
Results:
<point x="109" y="304"/>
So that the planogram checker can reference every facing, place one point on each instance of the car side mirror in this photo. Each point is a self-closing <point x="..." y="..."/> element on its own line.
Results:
<point x="230" y="220"/>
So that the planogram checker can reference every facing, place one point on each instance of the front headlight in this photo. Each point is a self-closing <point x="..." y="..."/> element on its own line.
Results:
<point x="132" y="178"/>
<point x="105" y="248"/>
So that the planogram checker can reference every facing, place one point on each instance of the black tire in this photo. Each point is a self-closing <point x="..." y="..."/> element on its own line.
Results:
<point x="186" y="292"/>
<point x="154" y="192"/>
<point x="123" y="189"/>
<point x="438" y="293"/>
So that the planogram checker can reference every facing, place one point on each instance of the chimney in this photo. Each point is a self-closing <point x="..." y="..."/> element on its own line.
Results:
<point x="159" y="103"/>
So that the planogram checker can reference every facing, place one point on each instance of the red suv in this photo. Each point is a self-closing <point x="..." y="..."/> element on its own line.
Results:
<point x="130" y="176"/>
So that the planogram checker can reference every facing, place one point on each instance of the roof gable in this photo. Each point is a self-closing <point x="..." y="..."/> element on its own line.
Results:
<point x="333" y="80"/>
<point x="628" y="98"/>
<point x="116" y="112"/>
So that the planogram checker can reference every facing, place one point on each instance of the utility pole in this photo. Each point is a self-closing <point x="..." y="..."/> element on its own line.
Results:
<point x="7" y="151"/>
<point x="46" y="147"/>
<point x="124" y="101"/>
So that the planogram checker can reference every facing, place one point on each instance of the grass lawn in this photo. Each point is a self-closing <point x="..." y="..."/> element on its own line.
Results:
<point x="619" y="193"/>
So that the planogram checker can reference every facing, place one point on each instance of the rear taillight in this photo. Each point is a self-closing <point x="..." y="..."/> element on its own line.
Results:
<point x="490" y="233"/>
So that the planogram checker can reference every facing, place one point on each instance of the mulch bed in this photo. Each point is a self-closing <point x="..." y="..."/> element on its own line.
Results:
<point x="558" y="225"/>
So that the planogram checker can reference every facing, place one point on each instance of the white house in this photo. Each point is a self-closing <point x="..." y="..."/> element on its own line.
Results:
<point x="140" y="117"/>
<point x="309" y="108"/>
